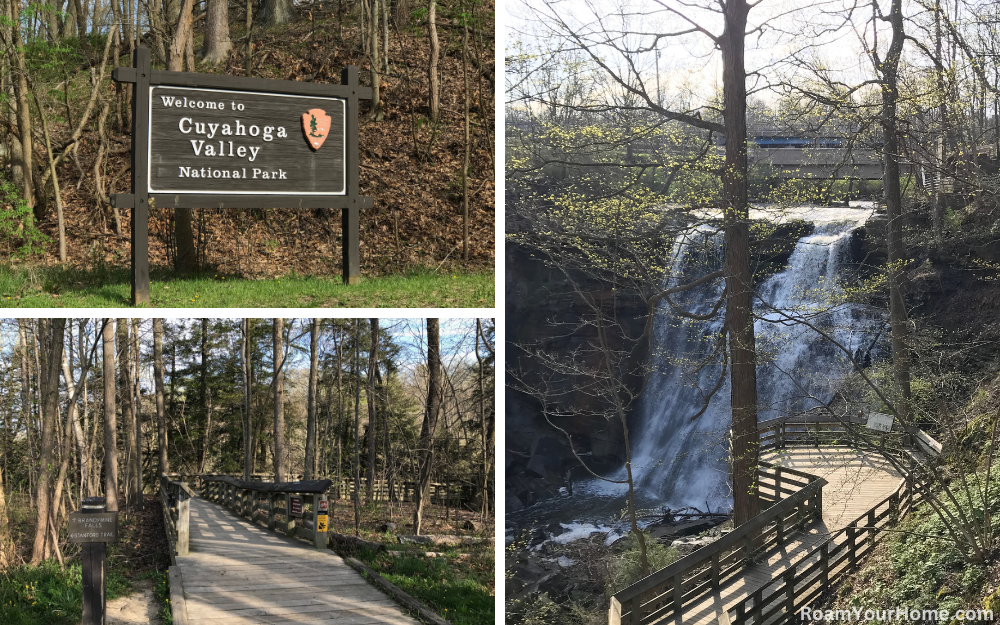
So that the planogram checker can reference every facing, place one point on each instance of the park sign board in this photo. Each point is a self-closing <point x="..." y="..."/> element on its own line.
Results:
<point x="214" y="141"/>
<point x="99" y="527"/>
<point x="879" y="422"/>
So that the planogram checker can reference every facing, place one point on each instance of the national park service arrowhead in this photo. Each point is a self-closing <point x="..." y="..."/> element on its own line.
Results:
<point x="316" y="125"/>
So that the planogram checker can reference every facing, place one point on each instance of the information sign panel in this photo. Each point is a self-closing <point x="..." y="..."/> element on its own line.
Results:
<point x="880" y="422"/>
<point x="93" y="527"/>
<point x="296" y="503"/>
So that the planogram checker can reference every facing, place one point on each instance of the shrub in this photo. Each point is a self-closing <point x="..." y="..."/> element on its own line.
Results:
<point x="626" y="568"/>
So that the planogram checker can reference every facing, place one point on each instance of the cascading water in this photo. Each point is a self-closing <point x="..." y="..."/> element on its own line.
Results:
<point x="680" y="460"/>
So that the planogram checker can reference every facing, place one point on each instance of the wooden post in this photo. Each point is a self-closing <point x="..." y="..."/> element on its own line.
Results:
<point x="852" y="533"/>
<point x="140" y="177"/>
<point x="183" y="524"/>
<point x="351" y="216"/>
<point x="678" y="596"/>
<point x="824" y="564"/>
<point x="716" y="570"/>
<point x="289" y="519"/>
<point x="272" y="521"/>
<point x="790" y="592"/>
<point x="92" y="559"/>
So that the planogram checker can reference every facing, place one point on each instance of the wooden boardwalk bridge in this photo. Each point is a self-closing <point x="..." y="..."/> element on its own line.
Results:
<point x="231" y="570"/>
<point x="826" y="503"/>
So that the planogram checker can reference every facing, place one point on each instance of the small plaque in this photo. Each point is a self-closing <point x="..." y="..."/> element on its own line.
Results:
<point x="880" y="422"/>
<point x="321" y="522"/>
<point x="296" y="506"/>
<point x="101" y="527"/>
<point x="324" y="505"/>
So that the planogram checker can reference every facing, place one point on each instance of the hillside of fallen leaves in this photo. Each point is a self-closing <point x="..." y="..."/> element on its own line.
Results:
<point x="411" y="169"/>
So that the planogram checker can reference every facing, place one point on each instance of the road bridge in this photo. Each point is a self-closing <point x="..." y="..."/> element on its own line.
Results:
<point x="826" y="503"/>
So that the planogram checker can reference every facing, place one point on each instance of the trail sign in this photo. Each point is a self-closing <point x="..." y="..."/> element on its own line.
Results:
<point x="879" y="422"/>
<point x="296" y="505"/>
<point x="87" y="527"/>
<point x="210" y="141"/>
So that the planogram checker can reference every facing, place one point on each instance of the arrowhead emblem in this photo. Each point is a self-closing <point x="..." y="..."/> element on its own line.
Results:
<point x="316" y="126"/>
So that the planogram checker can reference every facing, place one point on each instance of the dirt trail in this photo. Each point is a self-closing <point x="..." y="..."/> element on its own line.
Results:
<point x="139" y="607"/>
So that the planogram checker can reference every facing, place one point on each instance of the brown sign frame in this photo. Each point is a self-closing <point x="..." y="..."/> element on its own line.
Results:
<point x="95" y="517"/>
<point x="141" y="76"/>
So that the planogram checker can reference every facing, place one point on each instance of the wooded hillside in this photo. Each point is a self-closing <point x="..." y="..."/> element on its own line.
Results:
<point x="427" y="149"/>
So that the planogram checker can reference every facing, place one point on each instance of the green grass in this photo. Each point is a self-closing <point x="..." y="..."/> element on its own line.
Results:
<point x="46" y="595"/>
<point x="458" y="589"/>
<point x="53" y="287"/>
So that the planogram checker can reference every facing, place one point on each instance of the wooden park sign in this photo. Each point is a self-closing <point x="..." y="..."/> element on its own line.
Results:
<point x="209" y="141"/>
<point x="101" y="527"/>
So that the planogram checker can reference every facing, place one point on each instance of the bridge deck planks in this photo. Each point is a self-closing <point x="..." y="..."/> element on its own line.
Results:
<point x="241" y="573"/>
<point x="856" y="482"/>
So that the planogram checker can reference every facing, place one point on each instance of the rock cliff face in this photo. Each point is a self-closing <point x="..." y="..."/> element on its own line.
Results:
<point x="541" y="312"/>
<point x="542" y="315"/>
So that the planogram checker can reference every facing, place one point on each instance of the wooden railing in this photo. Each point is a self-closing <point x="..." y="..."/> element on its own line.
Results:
<point x="247" y="500"/>
<point x="440" y="493"/>
<point x="667" y="591"/>
<point x="175" y="499"/>
<point x="801" y="583"/>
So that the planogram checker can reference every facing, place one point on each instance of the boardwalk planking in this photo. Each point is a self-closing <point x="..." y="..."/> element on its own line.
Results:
<point x="856" y="482"/>
<point x="240" y="573"/>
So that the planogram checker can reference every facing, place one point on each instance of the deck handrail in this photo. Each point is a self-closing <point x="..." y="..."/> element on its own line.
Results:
<point x="648" y="599"/>
<point x="175" y="499"/>
<point x="705" y="569"/>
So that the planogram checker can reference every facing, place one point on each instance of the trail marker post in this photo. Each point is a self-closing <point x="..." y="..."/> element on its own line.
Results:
<point x="210" y="141"/>
<point x="93" y="527"/>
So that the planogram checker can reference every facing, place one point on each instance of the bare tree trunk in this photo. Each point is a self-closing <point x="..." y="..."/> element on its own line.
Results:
<point x="137" y="403"/>
<point x="277" y="12"/>
<point x="435" y="397"/>
<point x="206" y="395"/>
<point x="374" y="62"/>
<point x="128" y="414"/>
<point x="247" y="405"/>
<point x="312" y="411"/>
<point x="217" y="45"/>
<point x="889" y="70"/>
<point x="110" y="419"/>
<point x="468" y="144"/>
<point x="280" y="468"/>
<point x="79" y="422"/>
<point x="432" y="68"/>
<point x="23" y="113"/>
<point x="372" y="406"/>
<point x="51" y="333"/>
<point x="485" y="430"/>
<point x="161" y="411"/>
<point x="338" y="344"/>
<point x="356" y="498"/>
<point x="6" y="545"/>
<point x="186" y="260"/>
<point x="739" y="283"/>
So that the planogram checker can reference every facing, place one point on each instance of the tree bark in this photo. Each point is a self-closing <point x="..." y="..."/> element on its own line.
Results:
<point x="889" y="70"/>
<point x="374" y="62"/>
<point x="51" y="333"/>
<point x="206" y="396"/>
<point x="137" y="402"/>
<point x="277" y="12"/>
<point x="247" y="391"/>
<point x="110" y="419"/>
<point x="161" y="411"/>
<point x="312" y="412"/>
<point x="356" y="498"/>
<point x="432" y="67"/>
<point x="372" y="407"/>
<point x="280" y="468"/>
<point x="128" y="413"/>
<point x="24" y="114"/>
<point x="186" y="260"/>
<point x="435" y="395"/>
<point x="217" y="45"/>
<point x="739" y="283"/>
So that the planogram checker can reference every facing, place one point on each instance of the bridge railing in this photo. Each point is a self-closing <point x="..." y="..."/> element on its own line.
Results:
<point x="667" y="591"/>
<point x="803" y="582"/>
<point x="175" y="499"/>
<point x="259" y="502"/>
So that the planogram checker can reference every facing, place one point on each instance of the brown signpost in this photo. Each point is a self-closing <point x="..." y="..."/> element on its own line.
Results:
<point x="93" y="526"/>
<point x="209" y="141"/>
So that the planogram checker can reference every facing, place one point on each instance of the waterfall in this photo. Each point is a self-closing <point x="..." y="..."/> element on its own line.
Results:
<point x="683" y="462"/>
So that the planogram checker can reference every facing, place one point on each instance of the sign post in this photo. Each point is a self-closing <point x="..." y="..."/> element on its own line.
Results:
<point x="93" y="526"/>
<point x="209" y="141"/>
<point x="321" y="510"/>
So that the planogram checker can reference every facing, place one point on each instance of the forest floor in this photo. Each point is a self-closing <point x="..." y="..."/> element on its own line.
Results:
<point x="51" y="594"/>
<point x="455" y="581"/>
<point x="44" y="287"/>
<point x="410" y="166"/>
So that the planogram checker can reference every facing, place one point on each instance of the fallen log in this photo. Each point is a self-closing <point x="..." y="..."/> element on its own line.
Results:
<point x="354" y="541"/>
<point x="442" y="539"/>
